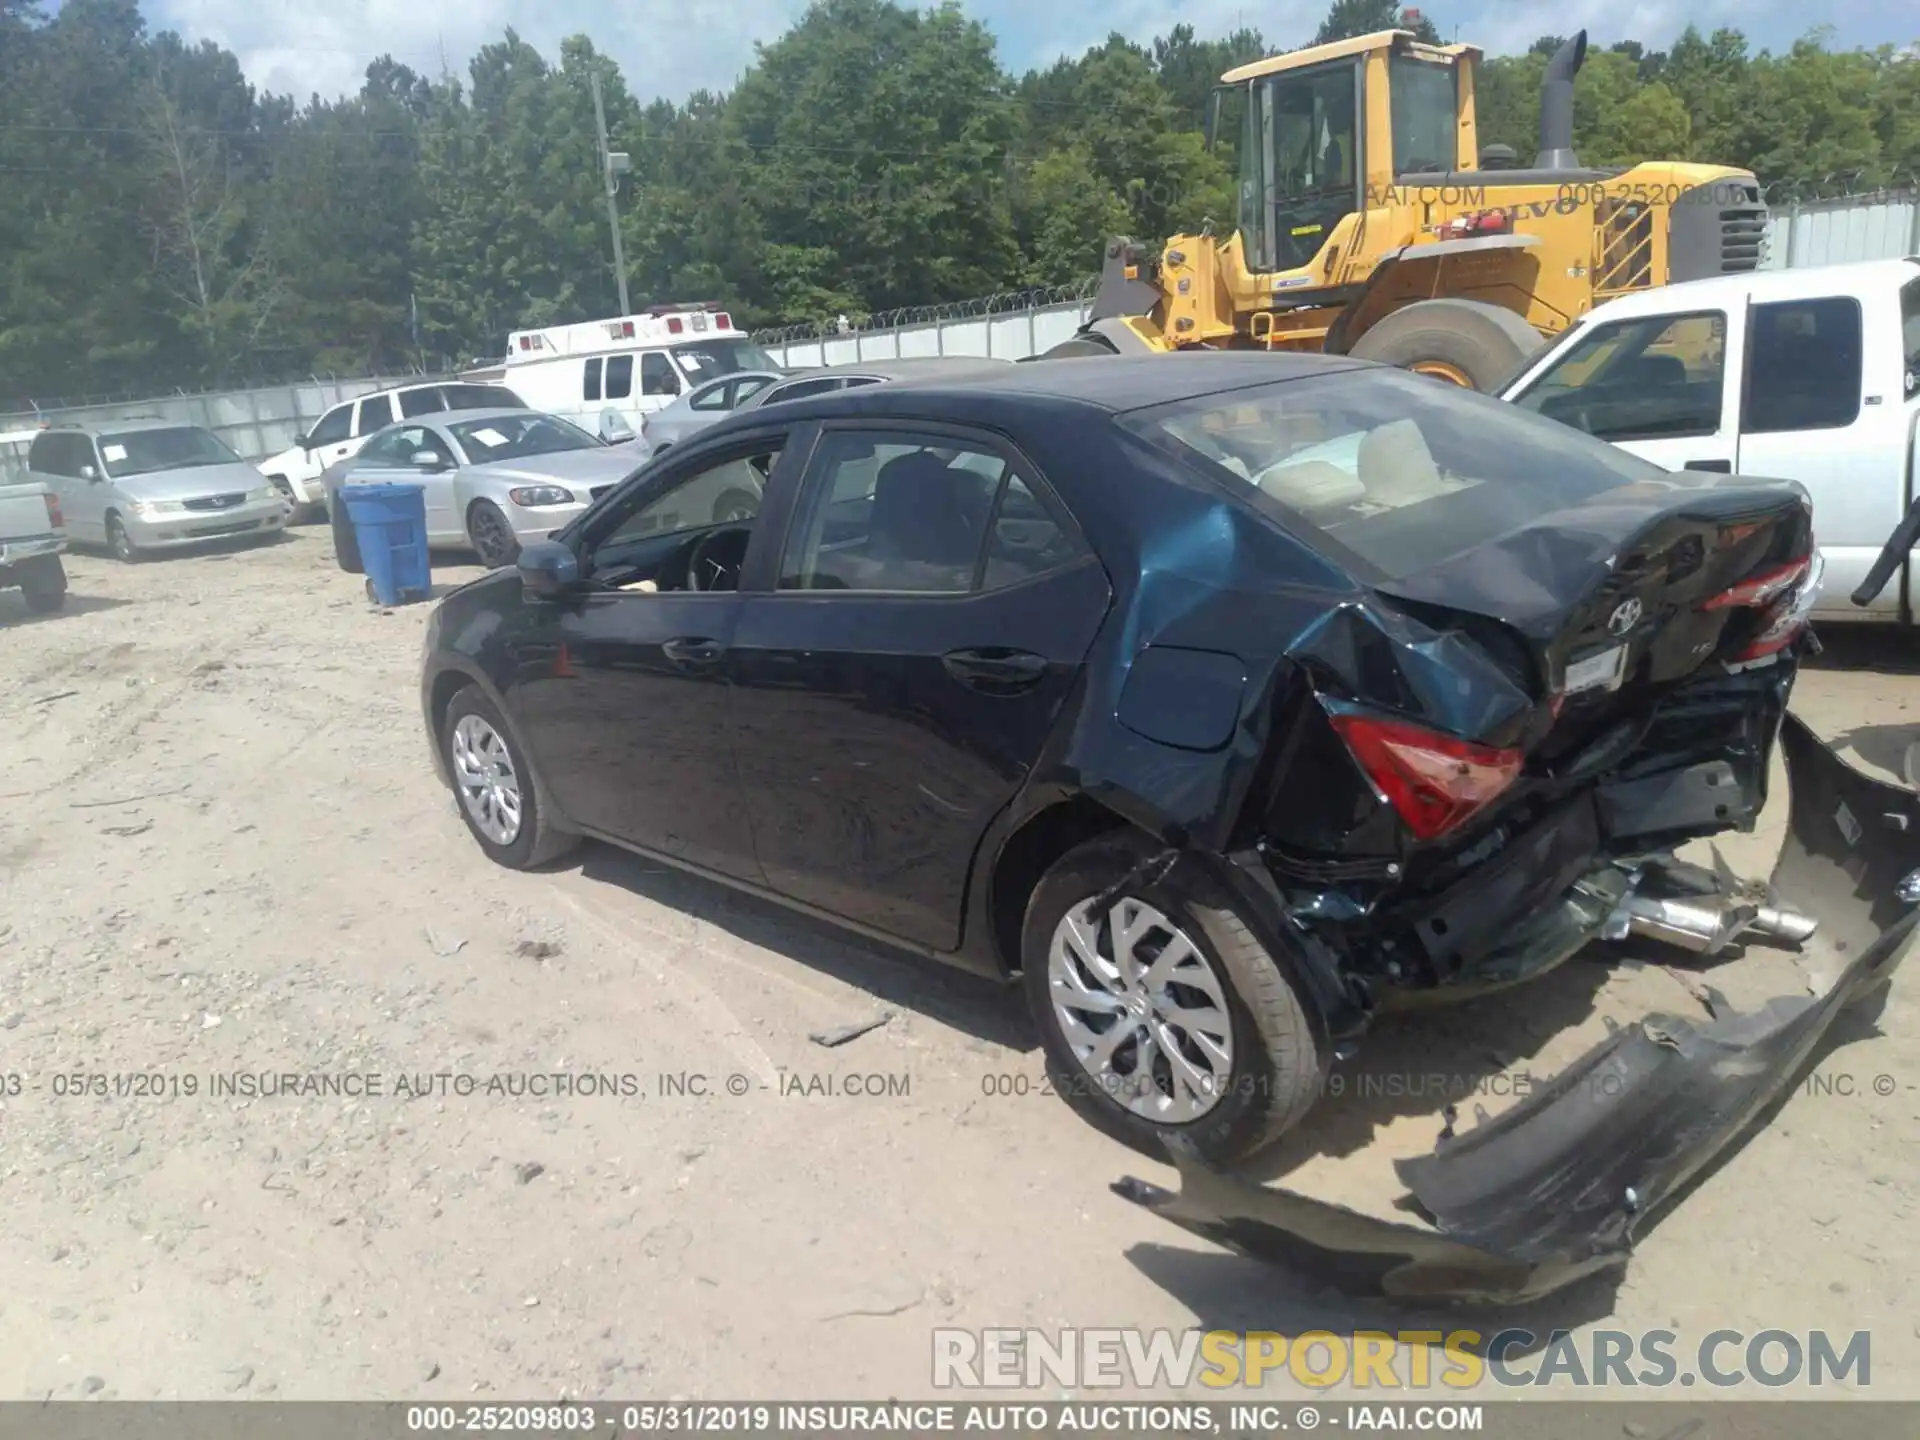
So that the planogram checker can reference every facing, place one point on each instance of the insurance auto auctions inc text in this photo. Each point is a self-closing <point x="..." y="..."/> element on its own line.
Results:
<point x="1457" y="1360"/>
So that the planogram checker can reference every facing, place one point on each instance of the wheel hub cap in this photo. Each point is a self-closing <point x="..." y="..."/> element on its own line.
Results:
<point x="1142" y="1009"/>
<point x="489" y="788"/>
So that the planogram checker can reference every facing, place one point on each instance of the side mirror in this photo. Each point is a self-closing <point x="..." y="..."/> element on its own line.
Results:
<point x="548" y="569"/>
<point x="87" y="472"/>
<point x="430" y="460"/>
<point x="304" y="442"/>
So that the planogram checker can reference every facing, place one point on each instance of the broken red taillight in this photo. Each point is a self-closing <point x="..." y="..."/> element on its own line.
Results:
<point x="1434" y="782"/>
<point x="1786" y="619"/>
<point x="1759" y="589"/>
<point x="55" y="520"/>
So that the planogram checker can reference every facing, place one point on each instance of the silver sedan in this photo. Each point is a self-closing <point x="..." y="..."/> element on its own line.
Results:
<point x="494" y="479"/>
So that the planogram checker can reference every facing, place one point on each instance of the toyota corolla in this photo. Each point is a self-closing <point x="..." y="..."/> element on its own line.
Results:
<point x="1224" y="702"/>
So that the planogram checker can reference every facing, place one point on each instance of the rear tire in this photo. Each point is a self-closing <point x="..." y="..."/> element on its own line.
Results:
<point x="1458" y="341"/>
<point x="43" y="584"/>
<point x="1273" y="1073"/>
<point x="346" y="544"/>
<point x="471" y="733"/>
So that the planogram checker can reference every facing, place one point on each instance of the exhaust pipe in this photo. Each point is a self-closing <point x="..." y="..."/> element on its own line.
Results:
<point x="1556" y="107"/>
<point x="1706" y="926"/>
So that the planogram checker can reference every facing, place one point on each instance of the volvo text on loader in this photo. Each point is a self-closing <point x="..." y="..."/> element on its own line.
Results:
<point x="1373" y="224"/>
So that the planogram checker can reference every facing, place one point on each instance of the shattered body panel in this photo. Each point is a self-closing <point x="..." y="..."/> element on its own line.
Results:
<point x="1558" y="1187"/>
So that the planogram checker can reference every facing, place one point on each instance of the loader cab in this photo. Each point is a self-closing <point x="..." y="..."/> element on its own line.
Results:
<point x="1314" y="131"/>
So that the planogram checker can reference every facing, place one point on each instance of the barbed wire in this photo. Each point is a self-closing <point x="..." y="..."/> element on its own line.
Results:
<point x="1841" y="187"/>
<point x="999" y="303"/>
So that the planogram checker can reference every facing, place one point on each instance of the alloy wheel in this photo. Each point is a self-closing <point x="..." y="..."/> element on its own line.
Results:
<point x="493" y="539"/>
<point x="488" y="784"/>
<point x="1142" y="1010"/>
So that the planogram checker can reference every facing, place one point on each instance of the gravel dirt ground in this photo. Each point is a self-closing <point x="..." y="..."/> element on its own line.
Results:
<point x="223" y="854"/>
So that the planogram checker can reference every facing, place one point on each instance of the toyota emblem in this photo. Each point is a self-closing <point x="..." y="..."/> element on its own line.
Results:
<point x="1625" y="616"/>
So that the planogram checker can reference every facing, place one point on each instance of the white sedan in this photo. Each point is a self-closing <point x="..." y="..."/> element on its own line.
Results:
<point x="494" y="479"/>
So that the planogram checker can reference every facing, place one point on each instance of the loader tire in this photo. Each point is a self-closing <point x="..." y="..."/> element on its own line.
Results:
<point x="1461" y="342"/>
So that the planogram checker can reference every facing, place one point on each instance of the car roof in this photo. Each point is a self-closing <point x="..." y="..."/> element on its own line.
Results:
<point x="905" y="367"/>
<point x="1803" y="283"/>
<point x="1123" y="382"/>
<point x="137" y="422"/>
<point x="468" y="417"/>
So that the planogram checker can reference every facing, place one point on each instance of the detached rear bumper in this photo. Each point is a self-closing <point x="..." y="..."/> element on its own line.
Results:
<point x="1556" y="1188"/>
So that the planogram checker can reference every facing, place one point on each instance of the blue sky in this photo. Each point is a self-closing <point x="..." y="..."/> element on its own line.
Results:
<point x="671" y="47"/>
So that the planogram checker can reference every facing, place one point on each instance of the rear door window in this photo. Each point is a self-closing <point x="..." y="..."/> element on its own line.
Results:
<point x="657" y="375"/>
<point x="1399" y="473"/>
<point x="899" y="512"/>
<point x="481" y="397"/>
<point x="424" y="401"/>
<point x="376" y="413"/>
<point x="710" y="397"/>
<point x="619" y="377"/>
<point x="1803" y="365"/>
<point x="590" y="382"/>
<point x="1658" y="377"/>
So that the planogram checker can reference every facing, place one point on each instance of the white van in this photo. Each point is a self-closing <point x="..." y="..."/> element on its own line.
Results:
<point x="1810" y="375"/>
<point x="605" y="374"/>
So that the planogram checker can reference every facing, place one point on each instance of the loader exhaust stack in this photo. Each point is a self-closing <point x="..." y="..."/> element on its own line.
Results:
<point x="1556" y="106"/>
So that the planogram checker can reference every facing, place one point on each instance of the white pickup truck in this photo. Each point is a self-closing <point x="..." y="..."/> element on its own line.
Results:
<point x="32" y="535"/>
<point x="1810" y="375"/>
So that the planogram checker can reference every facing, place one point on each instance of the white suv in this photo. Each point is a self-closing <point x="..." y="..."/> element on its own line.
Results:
<point x="296" y="471"/>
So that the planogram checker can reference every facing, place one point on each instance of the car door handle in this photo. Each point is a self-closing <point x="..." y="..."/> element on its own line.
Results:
<point x="1723" y="467"/>
<point x="995" y="668"/>
<point x="693" y="652"/>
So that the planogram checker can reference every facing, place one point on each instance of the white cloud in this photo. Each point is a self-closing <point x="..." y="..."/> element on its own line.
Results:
<point x="673" y="47"/>
<point x="664" y="47"/>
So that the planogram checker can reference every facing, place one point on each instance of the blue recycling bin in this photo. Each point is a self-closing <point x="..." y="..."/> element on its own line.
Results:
<point x="390" y="524"/>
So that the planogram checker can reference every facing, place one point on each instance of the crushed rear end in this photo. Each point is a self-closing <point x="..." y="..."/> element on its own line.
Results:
<point x="1558" y="1187"/>
<point x="1559" y="666"/>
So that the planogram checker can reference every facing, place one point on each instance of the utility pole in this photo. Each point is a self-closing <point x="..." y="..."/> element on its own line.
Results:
<point x="613" y="164"/>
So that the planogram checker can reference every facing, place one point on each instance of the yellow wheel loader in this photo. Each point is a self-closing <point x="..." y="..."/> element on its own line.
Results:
<point x="1372" y="224"/>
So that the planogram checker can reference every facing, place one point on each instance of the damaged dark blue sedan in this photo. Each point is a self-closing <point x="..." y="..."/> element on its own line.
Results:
<point x="1225" y="700"/>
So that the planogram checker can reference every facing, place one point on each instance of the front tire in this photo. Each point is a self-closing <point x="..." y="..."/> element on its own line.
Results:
<point x="43" y="584"/>
<point x="121" y="543"/>
<point x="1218" y="1047"/>
<point x="501" y="800"/>
<point x="491" y="535"/>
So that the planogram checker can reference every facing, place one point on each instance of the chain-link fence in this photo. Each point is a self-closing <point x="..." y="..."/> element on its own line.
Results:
<point x="1816" y="222"/>
<point x="255" y="423"/>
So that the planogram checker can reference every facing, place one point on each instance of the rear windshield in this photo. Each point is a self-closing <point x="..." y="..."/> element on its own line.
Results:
<point x="180" y="447"/>
<point x="704" y="359"/>
<point x="514" y="437"/>
<point x="1400" y="471"/>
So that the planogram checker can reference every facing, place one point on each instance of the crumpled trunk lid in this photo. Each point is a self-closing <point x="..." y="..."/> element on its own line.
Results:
<point x="1616" y="601"/>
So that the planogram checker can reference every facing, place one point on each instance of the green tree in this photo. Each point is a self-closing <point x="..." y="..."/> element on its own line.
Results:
<point x="1348" y="18"/>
